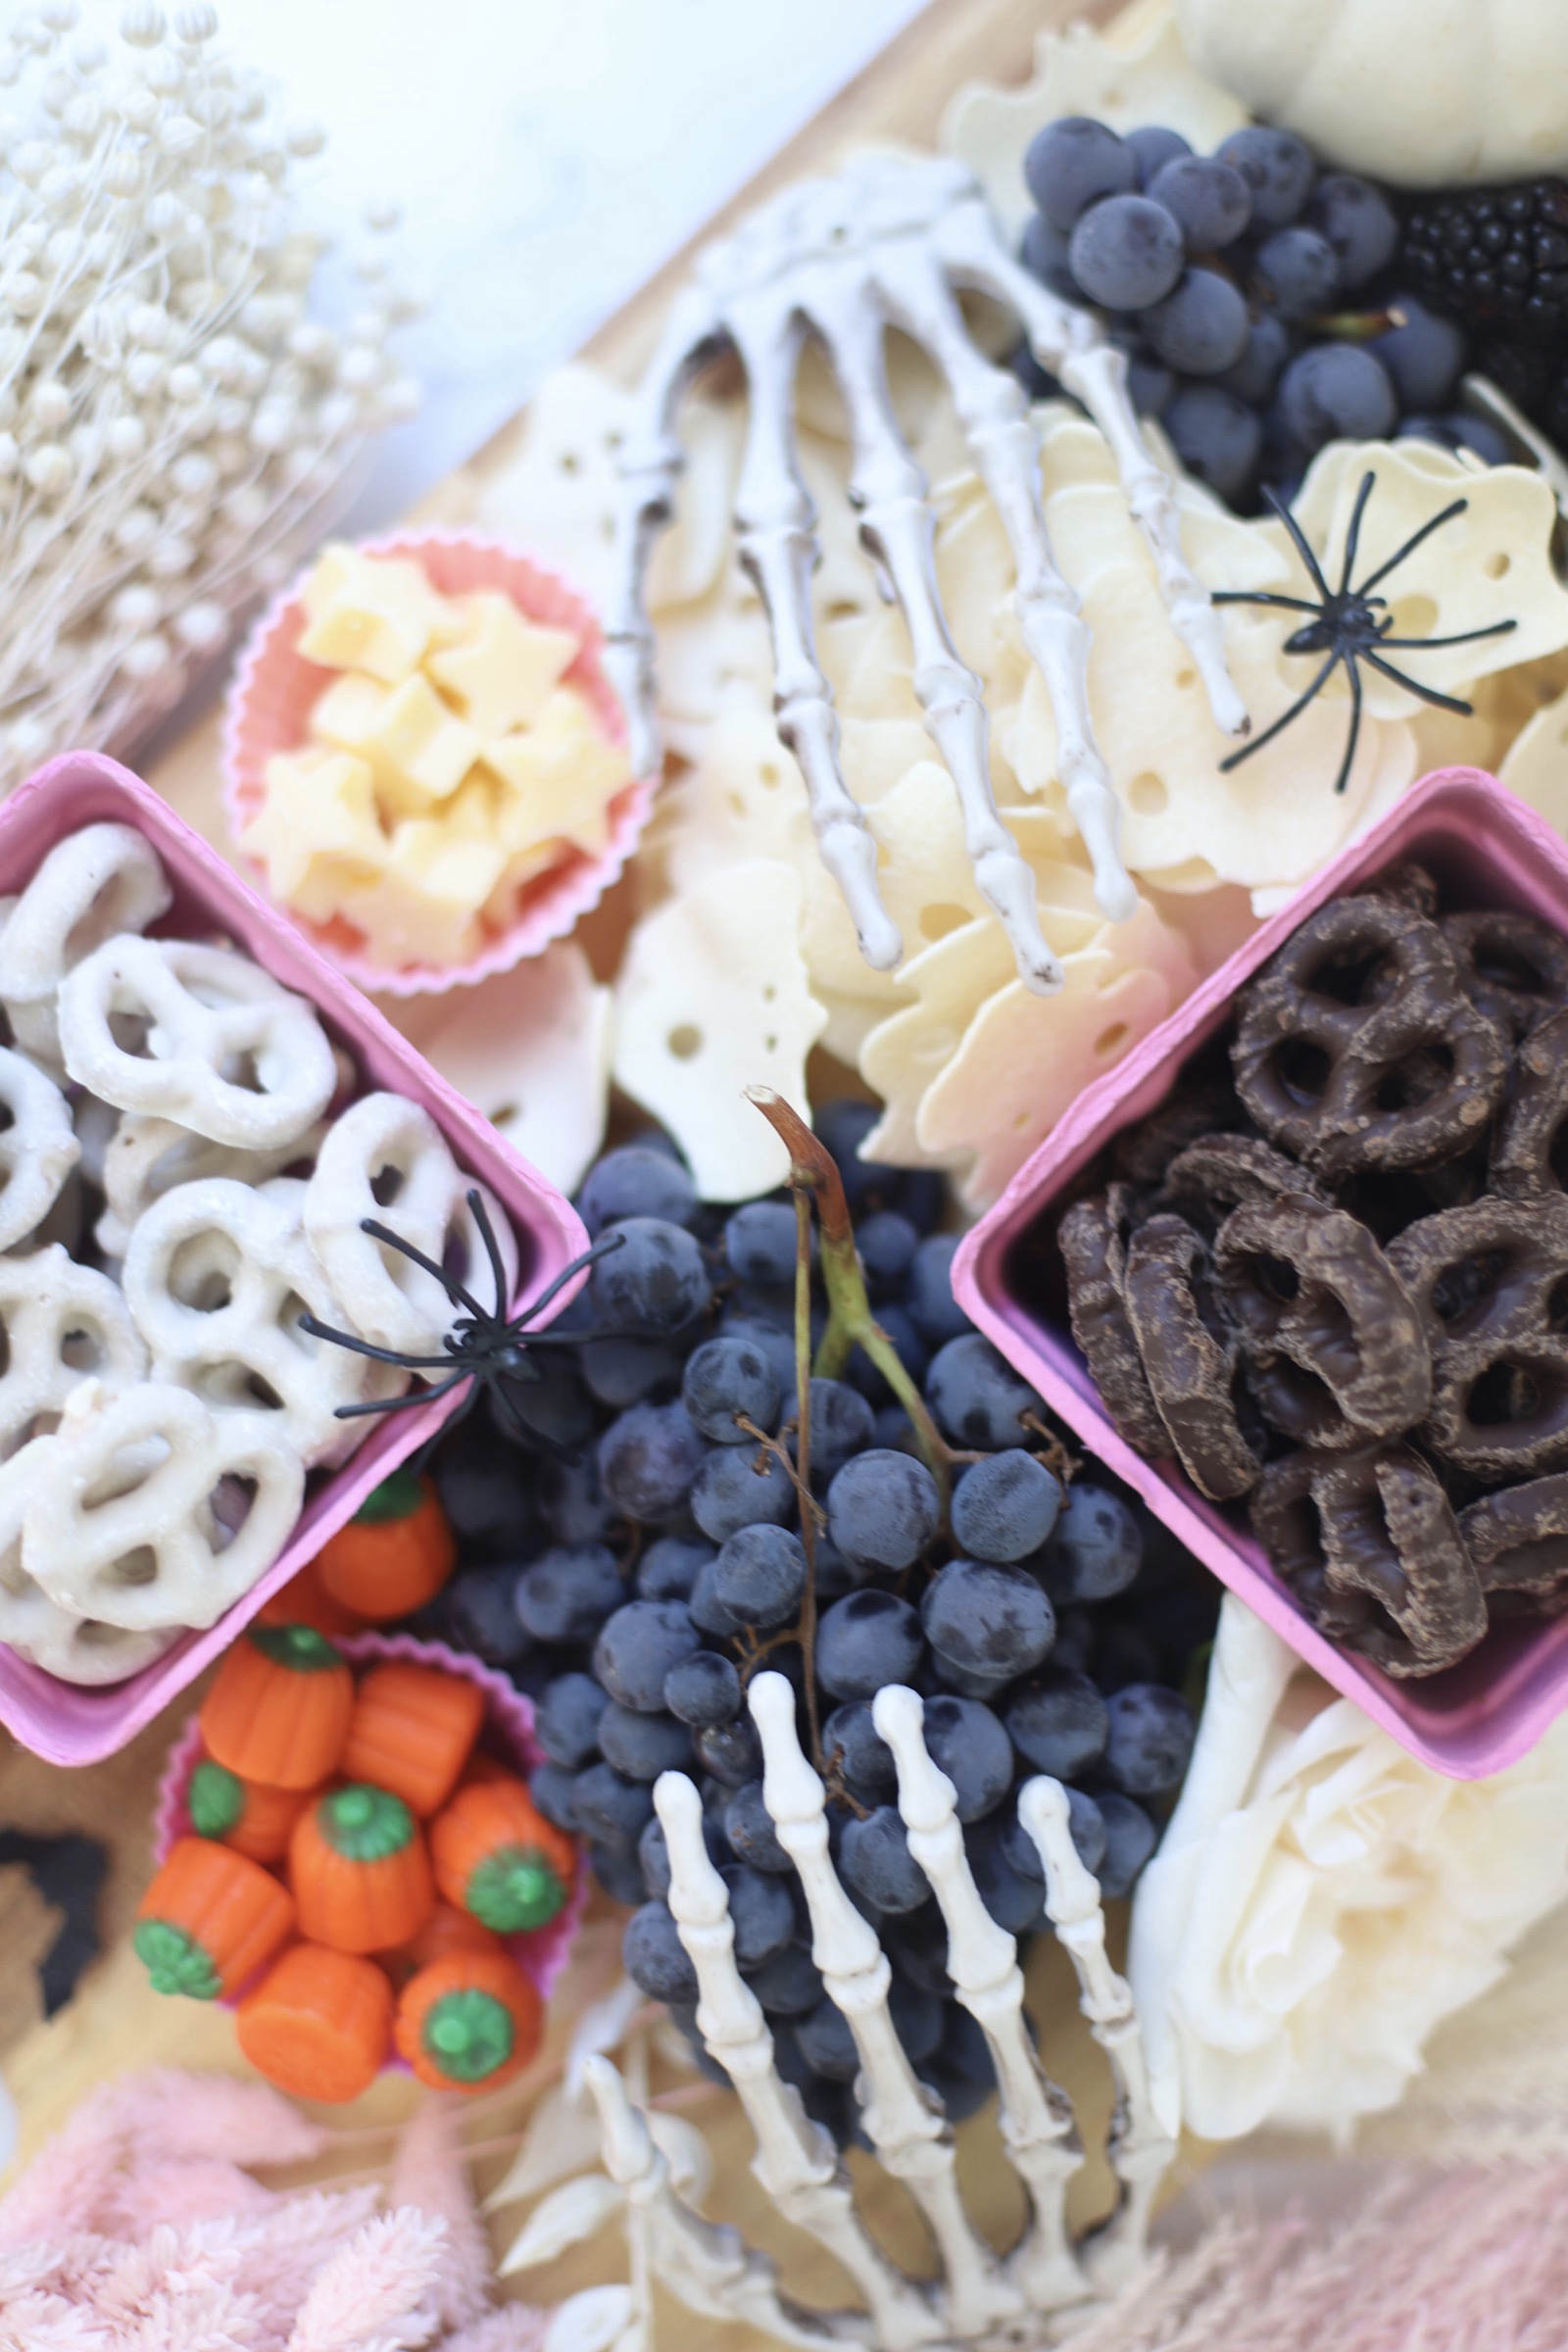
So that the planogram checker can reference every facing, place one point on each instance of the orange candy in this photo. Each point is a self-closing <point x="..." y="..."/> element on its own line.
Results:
<point x="320" y="2024"/>
<point x="412" y="1732"/>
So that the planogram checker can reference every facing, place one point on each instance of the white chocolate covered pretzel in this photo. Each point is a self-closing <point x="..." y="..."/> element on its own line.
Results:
<point x="103" y="880"/>
<point x="63" y="1324"/>
<point x="217" y="1275"/>
<point x="226" y="1052"/>
<point x="78" y="1650"/>
<point x="148" y="1156"/>
<point x="38" y="1147"/>
<point x="385" y="1159"/>
<point x="134" y="1524"/>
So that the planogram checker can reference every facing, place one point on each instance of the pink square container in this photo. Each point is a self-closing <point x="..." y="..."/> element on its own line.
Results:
<point x="1486" y="849"/>
<point x="507" y="1735"/>
<point x="268" y="709"/>
<point x="62" y="1722"/>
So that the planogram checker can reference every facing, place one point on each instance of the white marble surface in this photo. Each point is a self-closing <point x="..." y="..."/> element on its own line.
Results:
<point x="549" y="155"/>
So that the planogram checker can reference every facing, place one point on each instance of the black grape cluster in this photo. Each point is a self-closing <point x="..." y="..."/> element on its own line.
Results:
<point x="632" y="1586"/>
<point x="1257" y="298"/>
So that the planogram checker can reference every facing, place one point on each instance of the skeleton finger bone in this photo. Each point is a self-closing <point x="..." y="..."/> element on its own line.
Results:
<point x="385" y="1159"/>
<point x="212" y="1021"/>
<point x="62" y="1324"/>
<point x="217" y="1276"/>
<point x="884" y="243"/>
<point x="135" y="1523"/>
<point x="95" y="883"/>
<point x="38" y="1147"/>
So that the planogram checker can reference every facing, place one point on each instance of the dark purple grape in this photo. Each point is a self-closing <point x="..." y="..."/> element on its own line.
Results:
<point x="642" y="1746"/>
<point x="875" y="1861"/>
<point x="789" y="1985"/>
<point x="647" y="1458"/>
<point x="760" y="1243"/>
<point x="995" y="1621"/>
<point x="1256" y="372"/>
<point x="917" y="2019"/>
<point x="637" y="1648"/>
<point x="965" y="1741"/>
<point x="624" y="1371"/>
<point x="611" y="1809"/>
<point x="1358" y="221"/>
<point x="620" y="1874"/>
<point x="569" y="1592"/>
<point x="1203" y="328"/>
<point x="1043" y="253"/>
<point x="826" y="2043"/>
<point x="761" y="1912"/>
<point x="1278" y="169"/>
<point x="667" y="1569"/>
<point x="637" y="1181"/>
<point x="654" y="1956"/>
<point x="566" y="1721"/>
<point x="552" y="1788"/>
<point x="749" y="1826"/>
<point x="573" y="1501"/>
<point x="703" y="1690"/>
<point x="932" y="1309"/>
<point x="864" y="1758"/>
<point x="739" y="1486"/>
<point x="1130" y="1838"/>
<point x="865" y="1639"/>
<point x="728" y="1379"/>
<point x="1154" y="147"/>
<point x="886" y="1242"/>
<point x="1015" y="1902"/>
<point x="760" y="1577"/>
<point x="654" y="1283"/>
<point x="1072" y="162"/>
<point x="979" y="1402"/>
<point x="476" y="1613"/>
<point x="1297" y="271"/>
<point x="1217" y="438"/>
<point x="1337" y="392"/>
<point x="1149" y="1739"/>
<point x="1208" y="199"/>
<point x="1095" y="1547"/>
<point x="1423" y="353"/>
<point x="731" y="1753"/>
<point x="1126" y="253"/>
<point x="1004" y="1508"/>
<point x="1058" y="1723"/>
<point x="883" y="1509"/>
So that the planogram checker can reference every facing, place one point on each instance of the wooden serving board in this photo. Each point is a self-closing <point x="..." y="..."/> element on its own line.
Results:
<point x="115" y="2022"/>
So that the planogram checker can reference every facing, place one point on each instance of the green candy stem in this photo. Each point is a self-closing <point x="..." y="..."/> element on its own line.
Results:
<point x="175" y="1961"/>
<point x="395" y="1497"/>
<point x="216" y="1800"/>
<point x="299" y="1646"/>
<point x="515" y="1889"/>
<point x="365" y="1824"/>
<point x="469" y="2035"/>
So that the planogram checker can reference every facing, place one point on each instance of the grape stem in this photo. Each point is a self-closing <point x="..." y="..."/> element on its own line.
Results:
<point x="814" y="1181"/>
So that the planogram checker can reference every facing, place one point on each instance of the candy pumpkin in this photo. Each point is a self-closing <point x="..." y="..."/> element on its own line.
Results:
<point x="209" y="1920"/>
<point x="318" y="2024"/>
<point x="360" y="1870"/>
<point x="394" y="1554"/>
<point x="411" y="1731"/>
<point x="279" y="1709"/>
<point x="469" y="2022"/>
<point x="496" y="1855"/>
<point x="305" y="1600"/>
<point x="247" y="1815"/>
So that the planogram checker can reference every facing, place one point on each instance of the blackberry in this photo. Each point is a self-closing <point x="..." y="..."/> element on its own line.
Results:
<point x="1494" y="257"/>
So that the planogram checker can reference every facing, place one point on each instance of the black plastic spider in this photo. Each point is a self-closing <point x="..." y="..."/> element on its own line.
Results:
<point x="1349" y="625"/>
<point x="484" y="1346"/>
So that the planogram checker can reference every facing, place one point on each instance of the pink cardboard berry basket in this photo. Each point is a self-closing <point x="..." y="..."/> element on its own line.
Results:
<point x="1486" y="849"/>
<point x="507" y="1735"/>
<point x="63" y="1722"/>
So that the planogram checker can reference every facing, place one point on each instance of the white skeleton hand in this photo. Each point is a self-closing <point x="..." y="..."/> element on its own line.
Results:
<point x="885" y="244"/>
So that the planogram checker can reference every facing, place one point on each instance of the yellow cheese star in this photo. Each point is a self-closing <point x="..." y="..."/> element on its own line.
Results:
<point x="501" y="670"/>
<point x="424" y="907"/>
<point x="372" y="613"/>
<point x="317" y="833"/>
<point x="560" y="775"/>
<point x="418" y="751"/>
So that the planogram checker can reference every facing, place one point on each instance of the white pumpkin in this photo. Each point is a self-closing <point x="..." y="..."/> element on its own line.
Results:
<point x="1424" y="93"/>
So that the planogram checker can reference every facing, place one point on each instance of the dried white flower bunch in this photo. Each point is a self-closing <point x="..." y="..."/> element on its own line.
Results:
<point x="173" y="425"/>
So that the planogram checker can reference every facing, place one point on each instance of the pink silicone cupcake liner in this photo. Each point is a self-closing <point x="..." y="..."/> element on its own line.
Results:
<point x="67" y="1723"/>
<point x="508" y="1736"/>
<point x="269" y="707"/>
<point x="1486" y="849"/>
